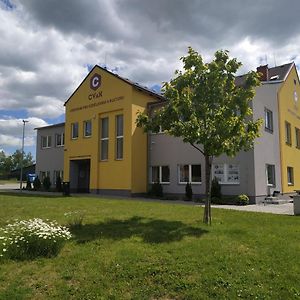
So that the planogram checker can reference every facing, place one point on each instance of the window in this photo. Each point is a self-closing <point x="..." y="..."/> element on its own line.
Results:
<point x="270" y="173"/>
<point x="104" y="139"/>
<point x="74" y="130"/>
<point x="297" y="131"/>
<point x="44" y="174"/>
<point x="160" y="174"/>
<point x="288" y="136"/>
<point x="119" y="137"/>
<point x="59" y="139"/>
<point x="268" y="120"/>
<point x="226" y="173"/>
<point x="189" y="173"/>
<point x="87" y="125"/>
<point x="56" y="174"/>
<point x="290" y="175"/>
<point x="46" y="141"/>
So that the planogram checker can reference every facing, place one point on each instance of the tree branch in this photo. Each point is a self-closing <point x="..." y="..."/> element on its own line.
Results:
<point x="197" y="148"/>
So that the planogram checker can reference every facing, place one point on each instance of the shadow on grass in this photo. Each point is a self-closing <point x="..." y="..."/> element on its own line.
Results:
<point x="149" y="230"/>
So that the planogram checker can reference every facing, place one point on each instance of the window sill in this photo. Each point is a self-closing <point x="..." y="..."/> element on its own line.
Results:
<point x="229" y="183"/>
<point x="46" y="147"/>
<point x="290" y="184"/>
<point x="87" y="136"/>
<point x="162" y="183"/>
<point x="271" y="185"/>
<point x="59" y="146"/>
<point x="269" y="130"/>
<point x="74" y="138"/>
<point x="193" y="183"/>
<point x="103" y="160"/>
<point x="288" y="144"/>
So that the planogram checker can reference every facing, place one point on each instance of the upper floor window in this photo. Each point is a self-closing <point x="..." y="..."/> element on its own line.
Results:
<point x="226" y="173"/>
<point x="270" y="173"/>
<point x="104" y="139"/>
<point x="297" y="131"/>
<point x="119" y="137"/>
<point x="160" y="174"/>
<point x="59" y="139"/>
<point x="46" y="141"/>
<point x="74" y="130"/>
<point x="87" y="128"/>
<point x="268" y="120"/>
<point x="189" y="173"/>
<point x="290" y="175"/>
<point x="288" y="135"/>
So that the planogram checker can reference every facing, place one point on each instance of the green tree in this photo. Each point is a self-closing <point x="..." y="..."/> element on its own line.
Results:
<point x="207" y="110"/>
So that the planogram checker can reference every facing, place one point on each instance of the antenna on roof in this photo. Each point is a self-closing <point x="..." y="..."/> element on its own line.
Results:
<point x="275" y="60"/>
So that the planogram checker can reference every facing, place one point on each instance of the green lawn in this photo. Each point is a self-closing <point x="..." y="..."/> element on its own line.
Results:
<point x="137" y="250"/>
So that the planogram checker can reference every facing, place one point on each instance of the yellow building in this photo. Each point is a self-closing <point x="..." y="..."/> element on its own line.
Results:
<point x="289" y="131"/>
<point x="104" y="150"/>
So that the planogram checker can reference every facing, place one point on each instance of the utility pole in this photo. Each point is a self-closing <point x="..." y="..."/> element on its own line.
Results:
<point x="22" y="156"/>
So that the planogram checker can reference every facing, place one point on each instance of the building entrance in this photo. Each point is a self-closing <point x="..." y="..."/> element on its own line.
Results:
<point x="80" y="175"/>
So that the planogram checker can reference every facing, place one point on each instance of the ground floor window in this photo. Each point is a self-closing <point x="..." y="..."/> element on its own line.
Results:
<point x="160" y="174"/>
<point x="270" y="173"/>
<point x="290" y="175"/>
<point x="56" y="174"/>
<point x="226" y="173"/>
<point x="44" y="174"/>
<point x="189" y="173"/>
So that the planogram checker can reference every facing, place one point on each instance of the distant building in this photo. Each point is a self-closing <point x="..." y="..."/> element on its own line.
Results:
<point x="104" y="152"/>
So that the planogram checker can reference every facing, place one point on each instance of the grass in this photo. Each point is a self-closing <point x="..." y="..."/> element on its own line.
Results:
<point x="128" y="249"/>
<point x="8" y="181"/>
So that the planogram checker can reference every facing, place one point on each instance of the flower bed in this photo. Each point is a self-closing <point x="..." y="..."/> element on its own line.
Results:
<point x="32" y="238"/>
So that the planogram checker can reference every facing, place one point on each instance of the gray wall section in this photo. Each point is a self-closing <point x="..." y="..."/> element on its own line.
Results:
<point x="49" y="159"/>
<point x="166" y="150"/>
<point x="266" y="149"/>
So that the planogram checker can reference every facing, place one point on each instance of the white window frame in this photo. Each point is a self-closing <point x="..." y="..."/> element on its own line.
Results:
<point x="62" y="139"/>
<point x="72" y="130"/>
<point x="190" y="174"/>
<point x="160" y="174"/>
<point x="288" y="133"/>
<point x="273" y="175"/>
<point x="58" y="173"/>
<point x="119" y="137"/>
<point x="226" y="173"/>
<point x="104" y="139"/>
<point x="84" y="128"/>
<point x="48" y="141"/>
<point x="291" y="175"/>
<point x="269" y="125"/>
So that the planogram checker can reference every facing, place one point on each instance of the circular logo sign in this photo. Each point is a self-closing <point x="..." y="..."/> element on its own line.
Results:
<point x="95" y="82"/>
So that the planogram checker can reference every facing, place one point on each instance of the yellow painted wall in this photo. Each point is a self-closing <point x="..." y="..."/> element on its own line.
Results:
<point x="139" y="144"/>
<point x="118" y="97"/>
<point x="289" y="110"/>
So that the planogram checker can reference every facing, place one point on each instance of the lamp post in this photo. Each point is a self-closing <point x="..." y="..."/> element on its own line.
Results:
<point x="22" y="155"/>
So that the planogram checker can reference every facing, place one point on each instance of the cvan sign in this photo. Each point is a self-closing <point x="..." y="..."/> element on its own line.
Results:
<point x="95" y="82"/>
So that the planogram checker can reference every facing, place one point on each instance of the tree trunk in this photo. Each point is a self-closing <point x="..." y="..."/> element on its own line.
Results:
<point x="207" y="208"/>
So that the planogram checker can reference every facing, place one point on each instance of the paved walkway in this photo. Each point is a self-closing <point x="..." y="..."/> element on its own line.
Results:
<point x="282" y="209"/>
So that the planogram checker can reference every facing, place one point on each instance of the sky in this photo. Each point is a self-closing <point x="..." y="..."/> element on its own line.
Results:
<point x="47" y="47"/>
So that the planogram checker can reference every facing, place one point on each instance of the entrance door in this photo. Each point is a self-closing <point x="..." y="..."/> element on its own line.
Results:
<point x="83" y="184"/>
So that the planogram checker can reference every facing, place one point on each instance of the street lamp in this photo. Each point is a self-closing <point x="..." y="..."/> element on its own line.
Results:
<point x="22" y="155"/>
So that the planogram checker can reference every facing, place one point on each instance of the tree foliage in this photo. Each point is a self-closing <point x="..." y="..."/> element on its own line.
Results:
<point x="207" y="109"/>
<point x="9" y="163"/>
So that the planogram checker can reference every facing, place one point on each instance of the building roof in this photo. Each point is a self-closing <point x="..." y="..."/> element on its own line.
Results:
<point x="132" y="83"/>
<point x="276" y="74"/>
<point x="51" y="126"/>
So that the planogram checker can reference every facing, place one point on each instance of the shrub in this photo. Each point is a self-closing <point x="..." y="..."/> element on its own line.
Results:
<point x="188" y="191"/>
<point x="36" y="183"/>
<point x="28" y="185"/>
<point x="46" y="183"/>
<point x="74" y="218"/>
<point x="58" y="184"/>
<point x="216" y="200"/>
<point x="32" y="238"/>
<point x="215" y="189"/>
<point x="156" y="190"/>
<point x="242" y="199"/>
